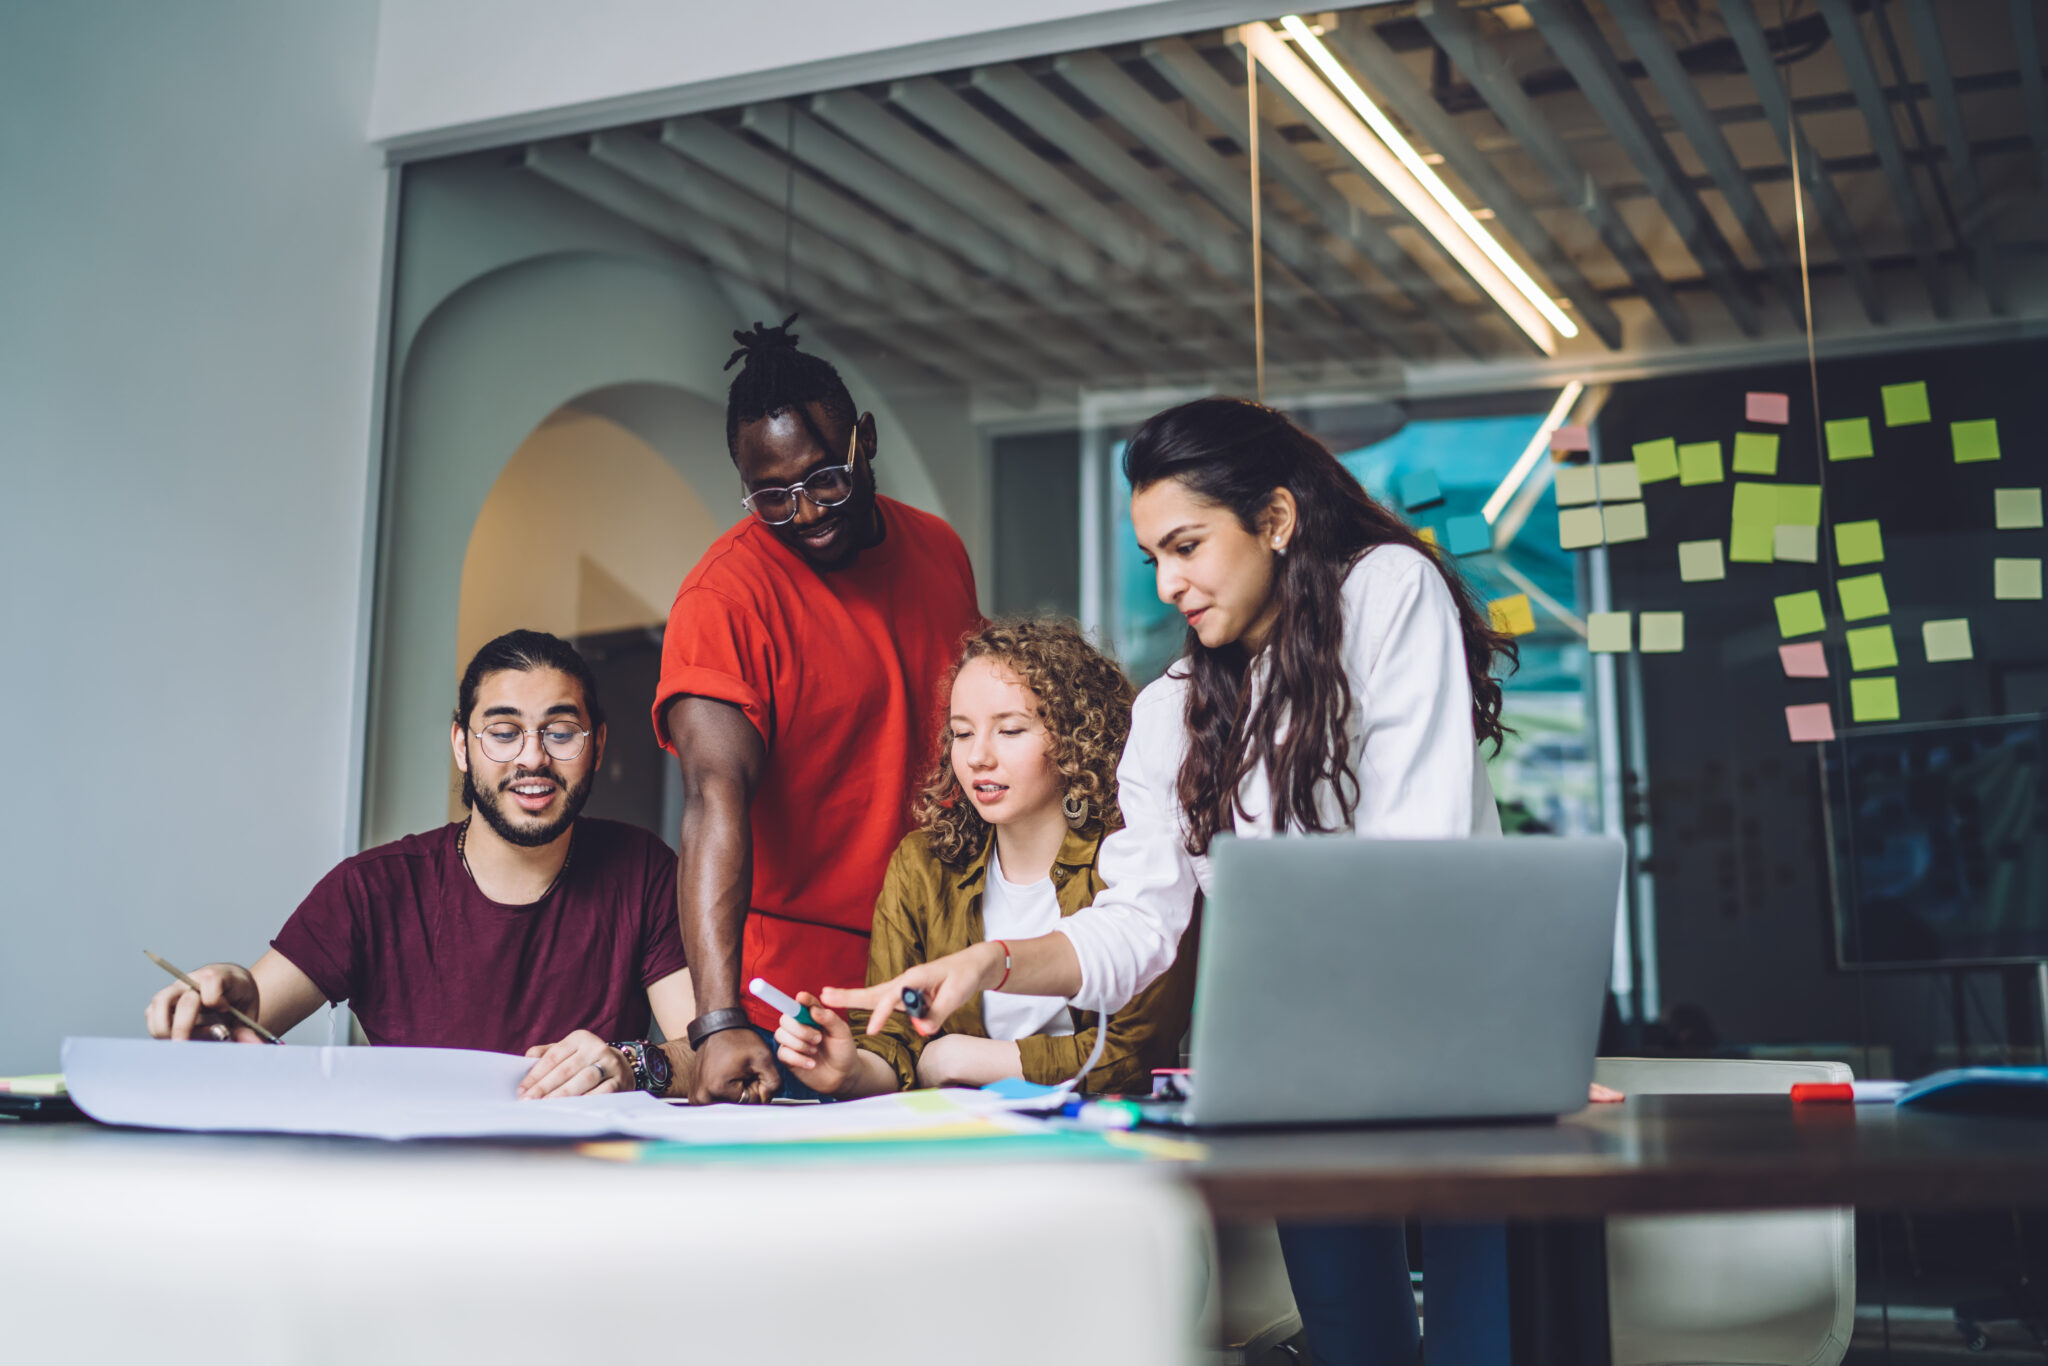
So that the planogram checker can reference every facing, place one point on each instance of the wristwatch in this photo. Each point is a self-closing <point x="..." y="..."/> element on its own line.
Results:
<point x="651" y="1070"/>
<point x="715" y="1022"/>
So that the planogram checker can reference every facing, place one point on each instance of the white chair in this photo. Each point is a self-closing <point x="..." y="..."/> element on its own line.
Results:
<point x="1729" y="1289"/>
<point x="1249" y="1308"/>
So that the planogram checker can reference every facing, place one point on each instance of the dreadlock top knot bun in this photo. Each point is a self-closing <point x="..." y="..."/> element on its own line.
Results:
<point x="762" y="339"/>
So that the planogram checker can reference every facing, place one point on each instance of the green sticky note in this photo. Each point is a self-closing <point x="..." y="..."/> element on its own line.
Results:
<point x="1974" y="441"/>
<point x="1700" y="561"/>
<point x="1576" y="485"/>
<point x="1905" y="405"/>
<point x="1751" y="523"/>
<point x="1795" y="544"/>
<point x="1863" y="596"/>
<point x="1947" y="640"/>
<point x="1859" y="542"/>
<point x="1874" y="699"/>
<point x="1799" y="505"/>
<point x="1849" y="439"/>
<point x="1756" y="452"/>
<point x="1656" y="460"/>
<point x="1800" y="614"/>
<point x="2017" y="509"/>
<point x="1872" y="647"/>
<point x="1579" y="528"/>
<point x="1619" y="482"/>
<point x="1663" y="633"/>
<point x="1607" y="633"/>
<point x="2016" y="580"/>
<point x="1699" y="462"/>
<point x="1625" y="522"/>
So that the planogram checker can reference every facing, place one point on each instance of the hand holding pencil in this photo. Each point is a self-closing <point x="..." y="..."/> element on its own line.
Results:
<point x="219" y="1002"/>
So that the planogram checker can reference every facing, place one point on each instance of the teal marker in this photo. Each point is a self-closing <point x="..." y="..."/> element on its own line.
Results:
<point x="786" y="1004"/>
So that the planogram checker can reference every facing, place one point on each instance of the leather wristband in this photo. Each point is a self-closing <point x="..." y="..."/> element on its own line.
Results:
<point x="715" y="1022"/>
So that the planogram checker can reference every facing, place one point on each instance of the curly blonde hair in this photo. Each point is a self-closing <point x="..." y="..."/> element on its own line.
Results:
<point x="1084" y="700"/>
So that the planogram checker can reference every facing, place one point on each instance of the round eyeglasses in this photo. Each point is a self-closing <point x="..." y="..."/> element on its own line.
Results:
<point x="501" y="741"/>
<point x="826" y="488"/>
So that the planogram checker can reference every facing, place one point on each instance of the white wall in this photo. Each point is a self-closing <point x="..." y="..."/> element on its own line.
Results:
<point x="190" y="228"/>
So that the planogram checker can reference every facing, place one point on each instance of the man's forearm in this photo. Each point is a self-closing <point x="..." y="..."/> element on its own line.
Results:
<point x="714" y="882"/>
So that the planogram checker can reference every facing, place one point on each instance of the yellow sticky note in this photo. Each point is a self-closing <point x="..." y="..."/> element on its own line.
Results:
<point x="1862" y="596"/>
<point x="2016" y="580"/>
<point x="1578" y="528"/>
<point x="1576" y="484"/>
<point x="1947" y="640"/>
<point x="1756" y="453"/>
<point x="1656" y="460"/>
<point x="1699" y="462"/>
<point x="1663" y="633"/>
<point x="1619" y="482"/>
<point x="1874" y="699"/>
<point x="1798" y="544"/>
<point x="1607" y="633"/>
<point x="1625" y="522"/>
<point x="2017" y="509"/>
<point x="1798" y="504"/>
<point x="1859" y="542"/>
<point x="1974" y="441"/>
<point x="1800" y="614"/>
<point x="1872" y="647"/>
<point x="1513" y="615"/>
<point x="1905" y="405"/>
<point x="1849" y="439"/>
<point x="1427" y="535"/>
<point x="1700" y="561"/>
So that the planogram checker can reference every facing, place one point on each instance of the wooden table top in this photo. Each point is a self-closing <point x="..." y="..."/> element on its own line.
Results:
<point x="1649" y="1154"/>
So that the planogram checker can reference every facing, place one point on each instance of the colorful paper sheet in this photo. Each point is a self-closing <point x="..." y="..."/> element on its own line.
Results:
<point x="1571" y="439"/>
<point x="2016" y="580"/>
<point x="1576" y="485"/>
<point x="1807" y="659"/>
<point x="1947" y="640"/>
<point x="1467" y="535"/>
<point x="1874" y="699"/>
<point x="1812" y="722"/>
<point x="1419" y="489"/>
<point x="1849" y="439"/>
<point x="1974" y="441"/>
<point x="1700" y="561"/>
<point x="1513" y="615"/>
<point x="1872" y="647"/>
<point x="1799" y="544"/>
<point x="1661" y="633"/>
<point x="1656" y="460"/>
<point x="1699" y="462"/>
<point x="1767" y="408"/>
<point x="1608" y="633"/>
<point x="1578" y="528"/>
<point x="1905" y="405"/>
<point x="1625" y="522"/>
<point x="2017" y="509"/>
<point x="1862" y="596"/>
<point x="1619" y="482"/>
<point x="1859" y="542"/>
<point x="1800" y="614"/>
<point x="1752" y="520"/>
<point x="1756" y="453"/>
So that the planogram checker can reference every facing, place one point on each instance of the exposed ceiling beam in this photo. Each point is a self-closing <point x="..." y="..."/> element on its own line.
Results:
<point x="1362" y="48"/>
<point x="1455" y="31"/>
<point x="1577" y="41"/>
<point x="1225" y="106"/>
<point x="1884" y="139"/>
<point x="1976" y="216"/>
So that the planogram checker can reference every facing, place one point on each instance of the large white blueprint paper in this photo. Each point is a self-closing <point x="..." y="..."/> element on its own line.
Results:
<point x="442" y="1093"/>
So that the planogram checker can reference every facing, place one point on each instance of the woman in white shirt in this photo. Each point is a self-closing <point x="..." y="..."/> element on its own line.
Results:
<point x="1338" y="676"/>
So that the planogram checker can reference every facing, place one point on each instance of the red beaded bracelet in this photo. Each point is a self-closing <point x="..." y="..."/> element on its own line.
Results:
<point x="1006" y="965"/>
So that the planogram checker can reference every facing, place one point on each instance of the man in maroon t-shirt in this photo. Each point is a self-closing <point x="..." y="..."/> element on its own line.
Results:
<point x="530" y="930"/>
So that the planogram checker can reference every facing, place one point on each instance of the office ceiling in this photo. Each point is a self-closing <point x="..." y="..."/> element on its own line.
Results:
<point x="1084" y="221"/>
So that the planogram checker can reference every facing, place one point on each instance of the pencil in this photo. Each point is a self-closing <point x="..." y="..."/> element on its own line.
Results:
<point x="266" y="1035"/>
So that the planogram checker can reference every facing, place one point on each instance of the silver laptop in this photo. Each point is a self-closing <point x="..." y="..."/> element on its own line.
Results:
<point x="1347" y="980"/>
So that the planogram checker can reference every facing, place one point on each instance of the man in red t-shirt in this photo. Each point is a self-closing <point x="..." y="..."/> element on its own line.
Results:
<point x="529" y="930"/>
<point x="799" y="694"/>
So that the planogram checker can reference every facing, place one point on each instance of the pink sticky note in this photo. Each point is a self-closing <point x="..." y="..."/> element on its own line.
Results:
<point x="1805" y="660"/>
<point x="1571" y="439"/>
<point x="1814" y="721"/>
<point x="1767" y="408"/>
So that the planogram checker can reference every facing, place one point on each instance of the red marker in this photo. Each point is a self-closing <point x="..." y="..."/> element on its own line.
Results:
<point x="1847" y="1092"/>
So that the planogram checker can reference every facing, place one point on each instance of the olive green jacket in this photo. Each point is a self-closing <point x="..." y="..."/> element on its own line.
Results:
<point x="928" y="909"/>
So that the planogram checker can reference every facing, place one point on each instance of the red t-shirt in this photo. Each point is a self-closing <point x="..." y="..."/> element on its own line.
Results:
<point x="839" y="671"/>
<point x="402" y="933"/>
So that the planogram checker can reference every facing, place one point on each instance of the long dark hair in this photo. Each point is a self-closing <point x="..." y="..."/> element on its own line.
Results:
<point x="1235" y="454"/>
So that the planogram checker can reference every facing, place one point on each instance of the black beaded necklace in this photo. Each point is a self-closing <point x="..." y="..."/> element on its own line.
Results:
<point x="462" y="852"/>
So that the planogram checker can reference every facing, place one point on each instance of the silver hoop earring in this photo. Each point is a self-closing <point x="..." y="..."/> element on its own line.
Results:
<point x="1075" y="808"/>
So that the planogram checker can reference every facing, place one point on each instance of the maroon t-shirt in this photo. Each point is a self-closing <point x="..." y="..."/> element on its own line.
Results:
<point x="425" y="959"/>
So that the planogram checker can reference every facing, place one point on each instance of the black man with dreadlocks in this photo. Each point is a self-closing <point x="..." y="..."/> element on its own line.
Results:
<point x="799" y="683"/>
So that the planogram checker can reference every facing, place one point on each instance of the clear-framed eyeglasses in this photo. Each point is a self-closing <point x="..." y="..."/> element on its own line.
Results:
<point x="501" y="741"/>
<point x="826" y="488"/>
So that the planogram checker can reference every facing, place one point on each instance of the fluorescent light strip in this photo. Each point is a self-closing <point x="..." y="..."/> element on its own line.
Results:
<point x="1538" y="445"/>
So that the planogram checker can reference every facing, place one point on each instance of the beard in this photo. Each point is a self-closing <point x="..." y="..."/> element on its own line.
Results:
<point x="490" y="805"/>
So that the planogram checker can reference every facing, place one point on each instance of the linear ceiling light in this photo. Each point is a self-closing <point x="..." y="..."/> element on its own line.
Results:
<point x="1538" y="445"/>
<point x="1378" y="146"/>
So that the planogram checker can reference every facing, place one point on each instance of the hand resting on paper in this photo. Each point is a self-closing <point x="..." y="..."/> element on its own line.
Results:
<point x="580" y="1065"/>
<point x="178" y="1012"/>
<point x="827" y="1058"/>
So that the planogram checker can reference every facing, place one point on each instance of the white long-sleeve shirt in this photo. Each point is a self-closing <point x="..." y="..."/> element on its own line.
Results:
<point x="1409" y="741"/>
